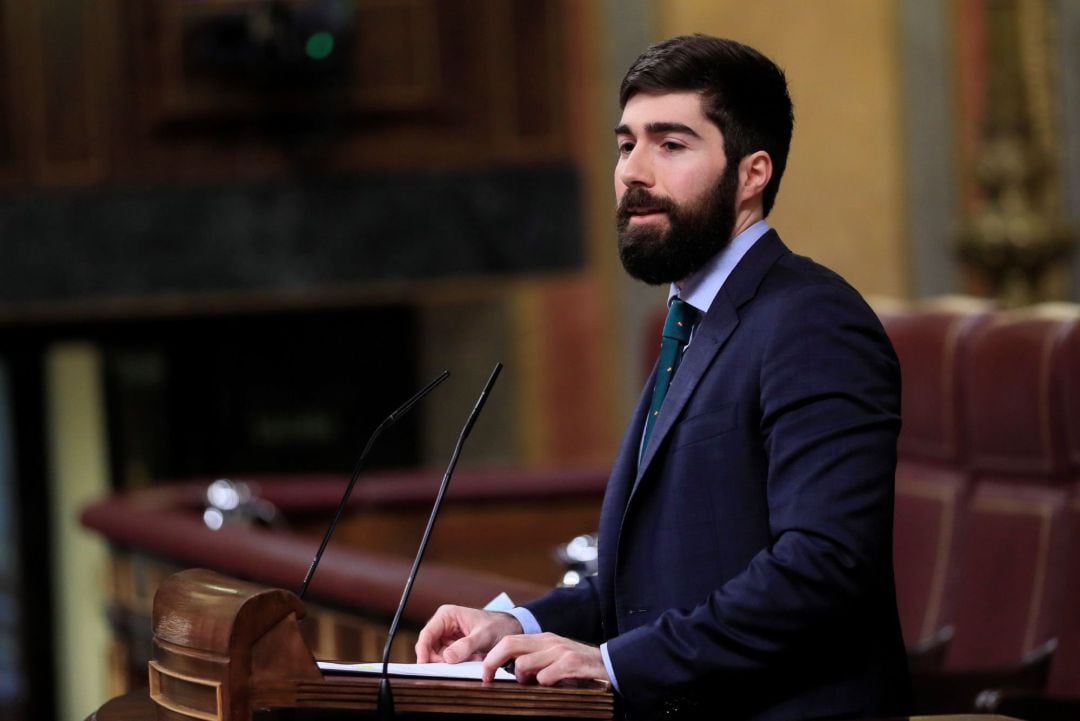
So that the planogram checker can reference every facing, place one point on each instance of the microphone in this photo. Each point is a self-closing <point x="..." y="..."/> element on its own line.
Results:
<point x="390" y="420"/>
<point x="386" y="694"/>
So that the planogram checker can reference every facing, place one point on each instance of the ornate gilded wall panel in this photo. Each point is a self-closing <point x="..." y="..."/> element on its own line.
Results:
<point x="1014" y="240"/>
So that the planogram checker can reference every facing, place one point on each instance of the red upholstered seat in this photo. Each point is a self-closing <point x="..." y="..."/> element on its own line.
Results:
<point x="931" y="479"/>
<point x="1065" y="670"/>
<point x="1014" y="419"/>
<point x="928" y="501"/>
<point x="1015" y="523"/>
<point x="929" y="340"/>
<point x="1068" y="381"/>
<point x="1009" y="595"/>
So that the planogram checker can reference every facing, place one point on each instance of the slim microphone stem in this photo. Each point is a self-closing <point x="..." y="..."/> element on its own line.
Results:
<point x="386" y="695"/>
<point x="389" y="421"/>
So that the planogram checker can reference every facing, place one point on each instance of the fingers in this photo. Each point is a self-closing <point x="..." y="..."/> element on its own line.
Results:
<point x="580" y="663"/>
<point x="546" y="659"/>
<point x="463" y="649"/>
<point x="456" y="634"/>
<point x="443" y="628"/>
<point x="510" y="647"/>
<point x="486" y="629"/>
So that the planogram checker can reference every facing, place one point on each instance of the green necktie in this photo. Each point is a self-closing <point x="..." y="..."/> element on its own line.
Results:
<point x="680" y="319"/>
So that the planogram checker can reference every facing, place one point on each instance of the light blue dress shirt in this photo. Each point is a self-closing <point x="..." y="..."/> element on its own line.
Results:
<point x="699" y="290"/>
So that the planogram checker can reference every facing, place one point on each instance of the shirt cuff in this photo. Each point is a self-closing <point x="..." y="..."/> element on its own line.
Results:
<point x="525" y="617"/>
<point x="607" y="665"/>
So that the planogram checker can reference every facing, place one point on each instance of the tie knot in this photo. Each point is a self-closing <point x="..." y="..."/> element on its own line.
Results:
<point x="680" y="319"/>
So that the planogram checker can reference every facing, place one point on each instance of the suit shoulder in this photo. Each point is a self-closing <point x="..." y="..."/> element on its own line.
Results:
<point x="773" y="284"/>
<point x="801" y="292"/>
<point x="796" y="276"/>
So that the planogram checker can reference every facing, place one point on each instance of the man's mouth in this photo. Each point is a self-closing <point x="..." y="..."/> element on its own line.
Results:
<point x="644" y="213"/>
<point x="638" y="207"/>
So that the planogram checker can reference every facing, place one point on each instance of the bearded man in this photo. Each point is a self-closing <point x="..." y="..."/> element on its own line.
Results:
<point x="745" y="567"/>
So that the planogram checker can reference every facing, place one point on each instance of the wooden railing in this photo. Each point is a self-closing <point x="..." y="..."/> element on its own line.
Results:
<point x="513" y="522"/>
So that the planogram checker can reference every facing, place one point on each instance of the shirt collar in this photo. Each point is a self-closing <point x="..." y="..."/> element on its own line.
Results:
<point x="701" y="287"/>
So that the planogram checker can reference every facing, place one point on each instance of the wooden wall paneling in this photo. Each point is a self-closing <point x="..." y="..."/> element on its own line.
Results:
<point x="409" y="101"/>
<point x="432" y="85"/>
<point x="101" y="89"/>
<point x="525" y="78"/>
<point x="502" y="121"/>
<point x="65" y="45"/>
<point x="169" y="129"/>
<point x="575" y="424"/>
<point x="396" y="56"/>
<point x="416" y="100"/>
<point x="142" y="149"/>
<point x="471" y="123"/>
<point x="392" y="64"/>
<point x="15" y="21"/>
<point x="539" y="73"/>
<point x="9" y="159"/>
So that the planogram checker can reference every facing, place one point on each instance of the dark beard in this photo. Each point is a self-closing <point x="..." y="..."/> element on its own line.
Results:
<point x="696" y="231"/>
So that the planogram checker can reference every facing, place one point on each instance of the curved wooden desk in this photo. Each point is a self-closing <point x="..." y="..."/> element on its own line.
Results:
<point x="135" y="706"/>
<point x="224" y="649"/>
<point x="139" y="707"/>
<point x="497" y="531"/>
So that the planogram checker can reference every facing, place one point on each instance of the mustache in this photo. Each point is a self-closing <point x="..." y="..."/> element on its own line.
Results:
<point x="637" y="198"/>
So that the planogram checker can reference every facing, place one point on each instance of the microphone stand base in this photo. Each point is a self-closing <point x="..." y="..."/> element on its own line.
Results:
<point x="385" y="704"/>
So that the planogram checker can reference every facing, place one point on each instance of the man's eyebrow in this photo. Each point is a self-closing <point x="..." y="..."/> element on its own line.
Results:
<point x="658" y="128"/>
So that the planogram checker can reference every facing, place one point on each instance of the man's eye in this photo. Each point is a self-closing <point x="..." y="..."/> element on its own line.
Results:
<point x="671" y="146"/>
<point x="625" y="148"/>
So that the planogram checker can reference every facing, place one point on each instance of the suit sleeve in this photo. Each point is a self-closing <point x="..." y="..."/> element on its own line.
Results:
<point x="570" y="612"/>
<point x="829" y="419"/>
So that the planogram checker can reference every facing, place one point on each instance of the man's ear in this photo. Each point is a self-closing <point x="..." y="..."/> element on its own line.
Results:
<point x="755" y="171"/>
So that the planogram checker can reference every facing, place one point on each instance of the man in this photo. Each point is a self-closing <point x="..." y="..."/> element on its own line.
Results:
<point x="746" y="532"/>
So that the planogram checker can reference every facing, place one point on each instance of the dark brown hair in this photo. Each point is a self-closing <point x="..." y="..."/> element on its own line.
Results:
<point x="743" y="92"/>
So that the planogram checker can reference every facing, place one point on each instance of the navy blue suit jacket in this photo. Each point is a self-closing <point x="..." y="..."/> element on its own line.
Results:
<point x="746" y="564"/>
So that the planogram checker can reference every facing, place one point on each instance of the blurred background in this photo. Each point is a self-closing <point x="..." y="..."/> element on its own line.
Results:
<point x="234" y="234"/>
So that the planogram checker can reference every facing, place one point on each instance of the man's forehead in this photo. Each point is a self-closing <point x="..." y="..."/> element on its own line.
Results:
<point x="663" y="111"/>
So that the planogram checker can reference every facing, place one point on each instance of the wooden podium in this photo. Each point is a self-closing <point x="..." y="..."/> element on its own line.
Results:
<point x="225" y="648"/>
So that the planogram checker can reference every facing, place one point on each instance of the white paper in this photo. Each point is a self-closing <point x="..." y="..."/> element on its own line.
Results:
<point x="466" y="669"/>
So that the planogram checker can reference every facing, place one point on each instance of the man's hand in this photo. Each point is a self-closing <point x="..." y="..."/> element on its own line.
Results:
<point x="456" y="633"/>
<point x="545" y="658"/>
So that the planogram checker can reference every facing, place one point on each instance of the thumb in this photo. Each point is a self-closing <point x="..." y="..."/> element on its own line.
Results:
<point x="462" y="649"/>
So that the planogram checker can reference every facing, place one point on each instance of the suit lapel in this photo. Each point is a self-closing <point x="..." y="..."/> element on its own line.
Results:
<point x="625" y="469"/>
<point x="710" y="336"/>
<point x="626" y="473"/>
<point x="715" y="329"/>
<point x="617" y="495"/>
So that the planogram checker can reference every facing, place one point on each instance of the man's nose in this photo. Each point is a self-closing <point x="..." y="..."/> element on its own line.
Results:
<point x="636" y="169"/>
